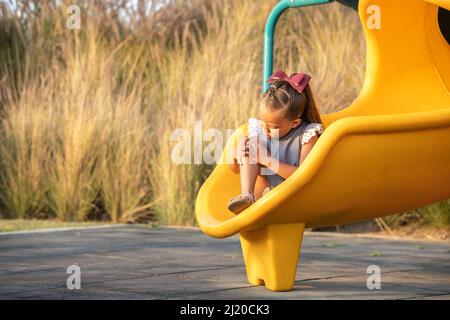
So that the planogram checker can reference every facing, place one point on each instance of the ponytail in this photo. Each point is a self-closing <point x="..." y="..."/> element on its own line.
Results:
<point x="311" y="113"/>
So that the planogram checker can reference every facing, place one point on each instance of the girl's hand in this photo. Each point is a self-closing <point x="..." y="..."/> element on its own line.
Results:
<point x="254" y="149"/>
<point x="242" y="149"/>
<point x="266" y="131"/>
<point x="258" y="152"/>
<point x="271" y="133"/>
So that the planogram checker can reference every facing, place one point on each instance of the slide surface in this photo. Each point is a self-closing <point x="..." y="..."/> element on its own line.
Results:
<point x="386" y="153"/>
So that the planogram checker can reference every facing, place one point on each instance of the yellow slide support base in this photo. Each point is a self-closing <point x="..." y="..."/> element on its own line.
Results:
<point x="271" y="255"/>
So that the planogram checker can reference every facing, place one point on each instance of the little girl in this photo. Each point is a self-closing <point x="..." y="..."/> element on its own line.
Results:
<point x="289" y="114"/>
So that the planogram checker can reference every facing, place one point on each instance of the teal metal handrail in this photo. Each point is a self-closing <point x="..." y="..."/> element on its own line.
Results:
<point x="270" y="30"/>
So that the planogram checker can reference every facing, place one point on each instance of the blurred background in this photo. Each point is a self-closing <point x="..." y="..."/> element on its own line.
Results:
<point x="87" y="114"/>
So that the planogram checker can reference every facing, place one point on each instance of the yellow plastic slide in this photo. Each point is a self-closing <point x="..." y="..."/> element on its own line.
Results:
<point x="386" y="153"/>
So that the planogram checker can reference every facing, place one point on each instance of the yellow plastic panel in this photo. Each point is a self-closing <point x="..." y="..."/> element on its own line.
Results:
<point x="388" y="152"/>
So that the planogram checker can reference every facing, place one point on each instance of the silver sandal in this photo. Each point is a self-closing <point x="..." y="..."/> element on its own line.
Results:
<point x="239" y="203"/>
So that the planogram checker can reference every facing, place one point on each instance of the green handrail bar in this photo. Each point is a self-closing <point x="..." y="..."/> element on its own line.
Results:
<point x="270" y="30"/>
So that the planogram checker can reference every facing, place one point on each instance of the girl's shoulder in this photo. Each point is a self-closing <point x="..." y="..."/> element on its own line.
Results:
<point x="312" y="129"/>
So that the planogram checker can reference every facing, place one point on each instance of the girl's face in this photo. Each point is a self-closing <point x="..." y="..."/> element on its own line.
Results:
<point x="276" y="122"/>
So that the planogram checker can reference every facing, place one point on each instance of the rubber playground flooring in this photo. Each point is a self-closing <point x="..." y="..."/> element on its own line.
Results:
<point x="136" y="262"/>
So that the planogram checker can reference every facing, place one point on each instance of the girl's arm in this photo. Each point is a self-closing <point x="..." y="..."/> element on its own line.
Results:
<point x="283" y="169"/>
<point x="306" y="148"/>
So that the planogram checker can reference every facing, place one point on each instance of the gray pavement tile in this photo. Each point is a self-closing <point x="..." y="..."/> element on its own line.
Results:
<point x="134" y="262"/>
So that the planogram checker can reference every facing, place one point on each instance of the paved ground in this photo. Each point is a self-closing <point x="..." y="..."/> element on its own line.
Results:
<point x="134" y="262"/>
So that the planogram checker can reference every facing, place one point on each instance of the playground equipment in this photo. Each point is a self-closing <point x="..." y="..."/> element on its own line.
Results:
<point x="386" y="153"/>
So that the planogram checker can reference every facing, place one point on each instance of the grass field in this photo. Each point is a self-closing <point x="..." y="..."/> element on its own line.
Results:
<point x="12" y="225"/>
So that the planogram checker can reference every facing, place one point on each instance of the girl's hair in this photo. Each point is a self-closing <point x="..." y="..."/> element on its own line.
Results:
<point x="282" y="96"/>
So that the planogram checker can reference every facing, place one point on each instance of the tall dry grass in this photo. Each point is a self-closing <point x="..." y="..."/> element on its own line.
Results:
<point x="75" y="133"/>
<point x="87" y="115"/>
<point x="218" y="82"/>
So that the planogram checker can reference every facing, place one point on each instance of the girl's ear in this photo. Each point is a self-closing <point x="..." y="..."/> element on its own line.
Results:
<point x="296" y="123"/>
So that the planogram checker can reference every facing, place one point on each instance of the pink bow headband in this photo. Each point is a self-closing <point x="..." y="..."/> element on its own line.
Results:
<point x="298" y="81"/>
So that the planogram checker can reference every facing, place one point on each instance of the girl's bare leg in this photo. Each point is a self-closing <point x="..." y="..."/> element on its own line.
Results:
<point x="253" y="183"/>
<point x="249" y="173"/>
<point x="253" y="186"/>
<point x="261" y="184"/>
